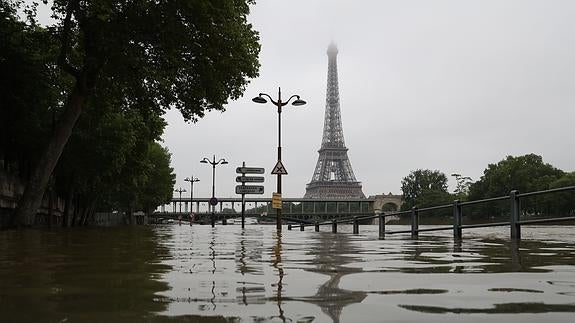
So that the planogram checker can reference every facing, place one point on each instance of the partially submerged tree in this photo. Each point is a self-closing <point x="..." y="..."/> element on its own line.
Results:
<point x="525" y="173"/>
<point x="149" y="56"/>
<point x="424" y="187"/>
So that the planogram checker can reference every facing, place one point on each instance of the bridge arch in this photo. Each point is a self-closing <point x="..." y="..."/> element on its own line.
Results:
<point x="387" y="203"/>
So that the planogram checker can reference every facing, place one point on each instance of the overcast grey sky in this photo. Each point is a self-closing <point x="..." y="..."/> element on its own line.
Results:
<point x="449" y="85"/>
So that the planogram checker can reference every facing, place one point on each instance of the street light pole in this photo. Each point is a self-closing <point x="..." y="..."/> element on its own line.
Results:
<point x="213" y="200"/>
<point x="192" y="180"/>
<point x="298" y="102"/>
<point x="180" y="190"/>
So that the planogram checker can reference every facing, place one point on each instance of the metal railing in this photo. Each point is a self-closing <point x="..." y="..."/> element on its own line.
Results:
<point x="514" y="222"/>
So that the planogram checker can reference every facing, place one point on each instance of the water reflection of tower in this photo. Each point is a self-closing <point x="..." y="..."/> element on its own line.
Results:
<point x="331" y="256"/>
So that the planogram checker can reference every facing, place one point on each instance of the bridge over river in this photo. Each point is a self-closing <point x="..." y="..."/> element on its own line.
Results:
<point x="299" y="210"/>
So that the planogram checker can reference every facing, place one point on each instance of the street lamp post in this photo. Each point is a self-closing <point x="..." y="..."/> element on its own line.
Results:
<point x="192" y="180"/>
<point x="213" y="201"/>
<point x="180" y="190"/>
<point x="279" y="104"/>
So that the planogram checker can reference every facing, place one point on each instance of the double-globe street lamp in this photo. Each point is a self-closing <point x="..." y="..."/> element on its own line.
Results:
<point x="192" y="180"/>
<point x="213" y="200"/>
<point x="279" y="104"/>
<point x="180" y="190"/>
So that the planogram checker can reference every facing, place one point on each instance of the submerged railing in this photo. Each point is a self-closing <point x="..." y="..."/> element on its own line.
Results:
<point x="514" y="222"/>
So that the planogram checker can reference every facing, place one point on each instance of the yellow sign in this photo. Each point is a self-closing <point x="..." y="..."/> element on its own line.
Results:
<point x="276" y="201"/>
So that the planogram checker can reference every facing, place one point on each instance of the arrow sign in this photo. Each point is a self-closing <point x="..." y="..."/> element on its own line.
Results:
<point x="249" y="170"/>
<point x="249" y="179"/>
<point x="245" y="189"/>
<point x="279" y="169"/>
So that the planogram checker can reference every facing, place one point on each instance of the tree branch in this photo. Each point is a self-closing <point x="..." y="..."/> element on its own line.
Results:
<point x="65" y="49"/>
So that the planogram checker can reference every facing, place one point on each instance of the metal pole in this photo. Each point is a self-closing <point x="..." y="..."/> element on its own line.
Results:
<point x="414" y="222"/>
<point x="192" y="195"/>
<point x="190" y="218"/>
<point x="213" y="220"/>
<point x="279" y="180"/>
<point x="244" y="202"/>
<point x="515" y="211"/>
<point x="381" y="226"/>
<point x="457" y="234"/>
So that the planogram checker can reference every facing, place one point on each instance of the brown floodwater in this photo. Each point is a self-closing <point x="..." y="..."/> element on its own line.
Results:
<point x="172" y="273"/>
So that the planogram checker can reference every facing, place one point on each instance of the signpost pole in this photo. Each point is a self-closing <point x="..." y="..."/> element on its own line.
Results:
<point x="243" y="201"/>
<point x="244" y="189"/>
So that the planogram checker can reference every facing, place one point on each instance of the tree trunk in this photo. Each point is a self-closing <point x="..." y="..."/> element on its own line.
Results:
<point x="77" y="210"/>
<point x="87" y="211"/>
<point x="130" y="215"/>
<point x="68" y="206"/>
<point x="90" y="213"/>
<point x="34" y="191"/>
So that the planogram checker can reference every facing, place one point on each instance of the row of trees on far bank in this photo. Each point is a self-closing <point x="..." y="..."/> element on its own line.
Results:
<point x="528" y="173"/>
<point x="82" y="100"/>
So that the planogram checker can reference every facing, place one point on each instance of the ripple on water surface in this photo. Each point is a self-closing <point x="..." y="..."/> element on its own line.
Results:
<point x="254" y="275"/>
<point x="226" y="274"/>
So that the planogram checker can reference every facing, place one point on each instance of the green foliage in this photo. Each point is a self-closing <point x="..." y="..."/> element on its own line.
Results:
<point x="462" y="188"/>
<point x="160" y="179"/>
<point x="31" y="92"/>
<point x="190" y="55"/>
<point x="145" y="182"/>
<point x="125" y="63"/>
<point x="424" y="187"/>
<point x="524" y="173"/>
<point x="563" y="203"/>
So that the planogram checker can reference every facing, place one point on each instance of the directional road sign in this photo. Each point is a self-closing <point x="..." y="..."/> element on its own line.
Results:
<point x="249" y="170"/>
<point x="249" y="189"/>
<point x="279" y="169"/>
<point x="250" y="179"/>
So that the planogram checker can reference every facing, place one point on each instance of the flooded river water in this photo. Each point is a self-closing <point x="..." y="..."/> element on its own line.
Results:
<point x="171" y="273"/>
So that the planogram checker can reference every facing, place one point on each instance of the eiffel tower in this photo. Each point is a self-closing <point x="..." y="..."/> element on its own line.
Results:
<point x="333" y="176"/>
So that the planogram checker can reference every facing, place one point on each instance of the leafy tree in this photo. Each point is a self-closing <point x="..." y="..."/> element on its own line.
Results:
<point x="526" y="173"/>
<point x="145" y="182"/>
<point x="161" y="179"/>
<point x="149" y="56"/>
<point x="563" y="203"/>
<point x="28" y="99"/>
<point x="424" y="187"/>
<point x="118" y="161"/>
<point x="462" y="188"/>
